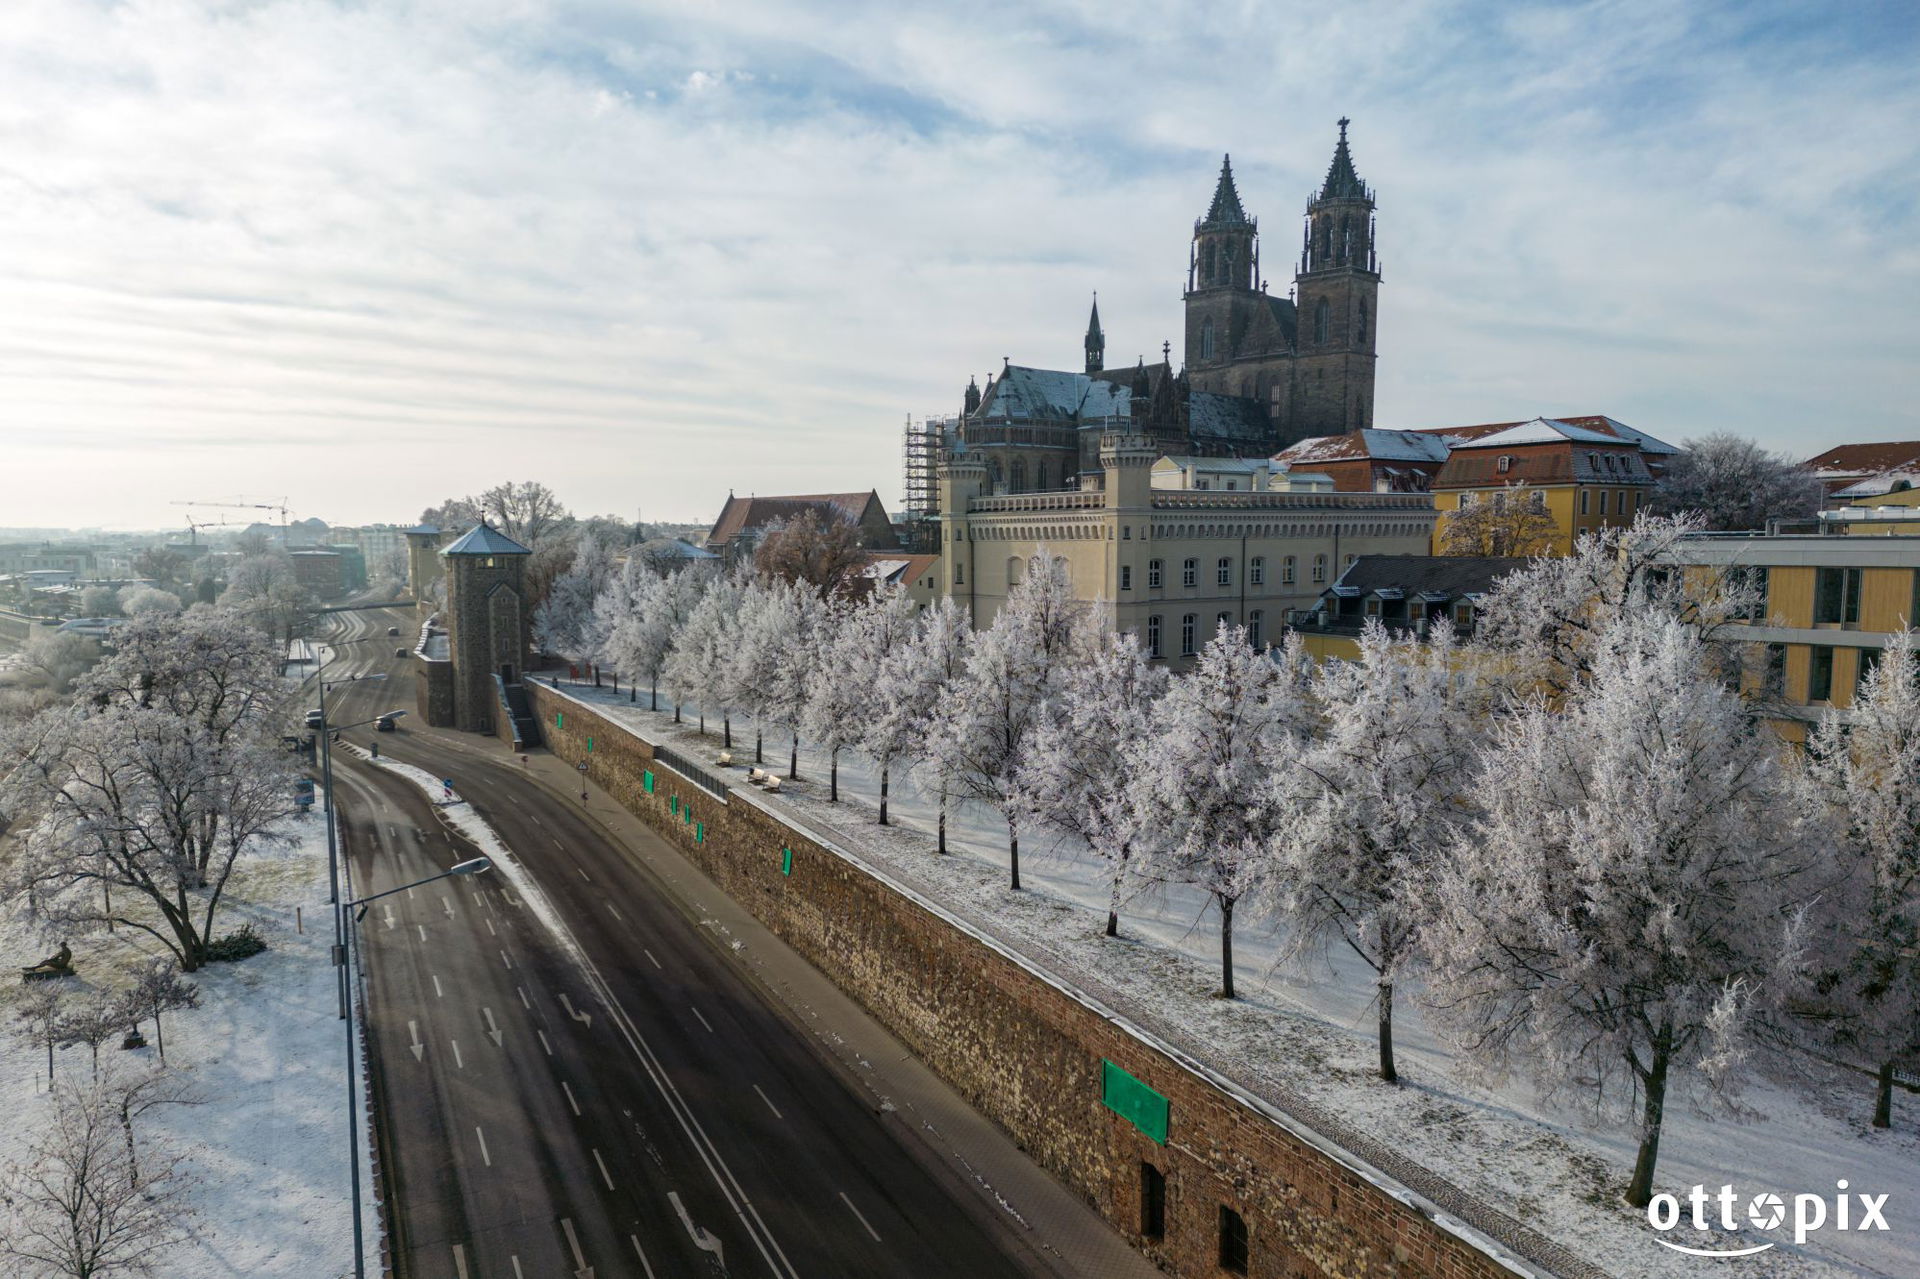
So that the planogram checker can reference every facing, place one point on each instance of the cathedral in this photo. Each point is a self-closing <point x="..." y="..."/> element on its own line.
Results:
<point x="1258" y="371"/>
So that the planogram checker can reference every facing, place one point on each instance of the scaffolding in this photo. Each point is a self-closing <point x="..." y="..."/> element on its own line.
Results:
<point x="921" y="445"/>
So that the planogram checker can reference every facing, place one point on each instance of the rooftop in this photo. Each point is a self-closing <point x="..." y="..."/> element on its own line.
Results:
<point x="484" y="539"/>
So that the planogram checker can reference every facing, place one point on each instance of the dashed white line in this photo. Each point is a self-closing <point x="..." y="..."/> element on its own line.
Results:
<point x="516" y="1268"/>
<point x="606" y="1177"/>
<point x="423" y="931"/>
<point x="770" y="1106"/>
<point x="458" y="1063"/>
<point x="703" y="1020"/>
<point x="616" y="912"/>
<point x="570" y="1100"/>
<point x="437" y="992"/>
<point x="523" y="998"/>
<point x="505" y="960"/>
<point x="489" y="1158"/>
<point x="857" y="1217"/>
<point x="460" y="1261"/>
<point x="656" y="963"/>
<point x="490" y="931"/>
<point x="640" y="1253"/>
<point x="583" y="873"/>
<point x="543" y="1042"/>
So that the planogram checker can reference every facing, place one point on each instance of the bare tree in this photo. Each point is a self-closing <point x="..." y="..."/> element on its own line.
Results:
<point x="825" y="553"/>
<point x="1732" y="483"/>
<point x="160" y="564"/>
<point x="43" y="1011"/>
<point x="1513" y="522"/>
<point x="80" y="1206"/>
<point x="454" y="513"/>
<point x="526" y="511"/>
<point x="159" y="989"/>
<point x="93" y="1022"/>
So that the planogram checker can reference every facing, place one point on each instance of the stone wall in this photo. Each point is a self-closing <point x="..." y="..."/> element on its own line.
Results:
<point x="1028" y="1053"/>
<point x="15" y="628"/>
<point x="433" y="691"/>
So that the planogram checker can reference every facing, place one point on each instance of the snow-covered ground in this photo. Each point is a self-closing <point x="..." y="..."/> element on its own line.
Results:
<point x="1303" y="1039"/>
<point x="265" y="1056"/>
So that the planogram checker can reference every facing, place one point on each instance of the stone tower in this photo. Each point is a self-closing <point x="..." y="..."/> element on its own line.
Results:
<point x="1096" y="341"/>
<point x="423" y="566"/>
<point x="1223" y="283"/>
<point x="1338" y="288"/>
<point x="489" y="625"/>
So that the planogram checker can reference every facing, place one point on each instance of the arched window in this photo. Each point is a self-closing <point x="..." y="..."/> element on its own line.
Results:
<point x="1153" y="575"/>
<point x="1226" y="264"/>
<point x="1186" y="634"/>
<point x="1040" y="478"/>
<point x="1190" y="573"/>
<point x="1322" y="320"/>
<point x="1363" y="323"/>
<point x="1019" y="484"/>
<point x="1206" y="264"/>
<point x="1346" y="236"/>
<point x="1319" y="568"/>
<point x="1286" y="571"/>
<point x="1223" y="573"/>
<point x="1015" y="567"/>
<point x="1206" y="339"/>
<point x="993" y="475"/>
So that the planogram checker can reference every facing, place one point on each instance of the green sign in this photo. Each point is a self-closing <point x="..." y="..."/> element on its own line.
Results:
<point x="646" y="780"/>
<point x="1133" y="1101"/>
<point x="786" y="861"/>
<point x="699" y="832"/>
<point x="673" y="805"/>
<point x="559" y="719"/>
<point x="686" y="814"/>
<point x="589" y="746"/>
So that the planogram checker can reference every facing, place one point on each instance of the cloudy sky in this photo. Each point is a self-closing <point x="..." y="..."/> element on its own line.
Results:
<point x="370" y="254"/>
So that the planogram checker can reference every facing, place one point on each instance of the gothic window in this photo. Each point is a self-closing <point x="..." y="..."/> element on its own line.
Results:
<point x="1040" y="478"/>
<point x="1206" y="340"/>
<point x="1226" y="264"/>
<point x="1346" y="238"/>
<point x="1363" y="323"/>
<point x="1019" y="475"/>
<point x="1322" y="320"/>
<point x="1206" y="264"/>
<point x="993" y="475"/>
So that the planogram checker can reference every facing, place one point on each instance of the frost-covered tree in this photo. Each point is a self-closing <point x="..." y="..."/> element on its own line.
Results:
<point x="1546" y="619"/>
<point x="136" y="601"/>
<point x="1373" y="800"/>
<point x="1631" y="892"/>
<point x="767" y="669"/>
<point x="1510" y="522"/>
<point x="157" y="990"/>
<point x="99" y="601"/>
<point x="821" y="551"/>
<point x="1205" y="773"/>
<point x="913" y="685"/>
<point x="1731" y="483"/>
<point x="697" y="669"/>
<point x="42" y="1012"/>
<point x="1865" y="764"/>
<point x="263" y="589"/>
<point x="1079" y="775"/>
<point x="981" y="731"/>
<point x="565" y="623"/>
<point x="640" y="617"/>
<point x="206" y="666"/>
<point x="847" y="692"/>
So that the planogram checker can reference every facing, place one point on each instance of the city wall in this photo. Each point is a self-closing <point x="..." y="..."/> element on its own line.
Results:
<point x="1028" y="1052"/>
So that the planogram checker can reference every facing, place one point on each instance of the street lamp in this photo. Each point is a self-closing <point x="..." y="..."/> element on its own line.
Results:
<point x="473" y="867"/>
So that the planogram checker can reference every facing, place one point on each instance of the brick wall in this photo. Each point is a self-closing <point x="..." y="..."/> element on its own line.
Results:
<point x="1028" y="1054"/>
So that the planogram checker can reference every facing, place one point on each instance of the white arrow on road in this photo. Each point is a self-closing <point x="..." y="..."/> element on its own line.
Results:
<point x="493" y="1031"/>
<point x="389" y="911"/>
<point x="413" y="1033"/>
<point x="446" y="904"/>
<point x="702" y="1238"/>
<point x="586" y="1018"/>
<point x="581" y="1270"/>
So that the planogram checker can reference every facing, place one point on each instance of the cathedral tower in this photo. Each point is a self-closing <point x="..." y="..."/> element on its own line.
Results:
<point x="1338" y="288"/>
<point x="1223" y="284"/>
<point x="1096" y="341"/>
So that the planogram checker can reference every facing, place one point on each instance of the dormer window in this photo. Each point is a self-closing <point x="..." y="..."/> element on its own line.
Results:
<point x="1505" y="463"/>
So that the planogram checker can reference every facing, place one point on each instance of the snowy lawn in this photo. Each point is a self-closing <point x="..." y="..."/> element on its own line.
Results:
<point x="264" y="1054"/>
<point x="1304" y="1040"/>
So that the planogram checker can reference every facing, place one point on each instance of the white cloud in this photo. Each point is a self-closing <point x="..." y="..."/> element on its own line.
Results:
<point x="374" y="255"/>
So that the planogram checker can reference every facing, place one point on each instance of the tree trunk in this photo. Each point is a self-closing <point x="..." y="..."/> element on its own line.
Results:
<point x="726" y="730"/>
<point x="1013" y="852"/>
<point x="1113" y="896"/>
<point x="759" y="745"/>
<point x="160" y="1036"/>
<point x="655" y="696"/>
<point x="596" y="677"/>
<point x="1883" y="1097"/>
<point x="833" y="776"/>
<point x="1387" y="1072"/>
<point x="885" y="781"/>
<point x="1653" y="1114"/>
<point x="1226" y="947"/>
<point x="941" y="847"/>
<point x="133" y="1162"/>
<point x="793" y="760"/>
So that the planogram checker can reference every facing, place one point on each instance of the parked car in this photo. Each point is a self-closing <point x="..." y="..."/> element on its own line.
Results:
<point x="316" y="719"/>
<point x="393" y="630"/>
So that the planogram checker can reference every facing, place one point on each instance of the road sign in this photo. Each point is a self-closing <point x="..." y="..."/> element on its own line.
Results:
<point x="582" y="766"/>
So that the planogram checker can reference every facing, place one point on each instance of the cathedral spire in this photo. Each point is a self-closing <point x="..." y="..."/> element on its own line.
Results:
<point x="1096" y="343"/>
<point x="1343" y="183"/>
<point x="1226" y="199"/>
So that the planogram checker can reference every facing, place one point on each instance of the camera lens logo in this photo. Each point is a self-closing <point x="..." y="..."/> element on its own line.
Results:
<point x="1705" y="1211"/>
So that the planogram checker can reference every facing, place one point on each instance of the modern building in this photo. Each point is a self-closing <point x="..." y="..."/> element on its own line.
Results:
<point x="319" y="572"/>
<point x="1172" y="565"/>
<point x="1830" y="605"/>
<point x="1402" y="593"/>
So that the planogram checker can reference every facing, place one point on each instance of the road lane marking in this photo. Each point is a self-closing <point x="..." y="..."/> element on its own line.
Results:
<point x="543" y="1042"/>
<point x="573" y="1243"/>
<point x="570" y="1100"/>
<point x="493" y="1030"/>
<point x="604" y="1175"/>
<point x="389" y="909"/>
<point x="423" y="931"/>
<point x="703" y="1239"/>
<point x="640" y="1253"/>
<point x="703" y="1020"/>
<point x="446" y="904"/>
<point x="505" y="960"/>
<point x="583" y="873"/>
<point x="458" y="1062"/>
<point x="490" y="932"/>
<point x="857" y="1217"/>
<point x="523" y="998"/>
<point x="616" y="912"/>
<point x="489" y="1158"/>
<point x="413" y="1033"/>
<point x="460" y="1261"/>
<point x="515" y="1259"/>
<point x="585" y="1018"/>
<point x="770" y="1106"/>
<point x="656" y="963"/>
<point x="437" y="992"/>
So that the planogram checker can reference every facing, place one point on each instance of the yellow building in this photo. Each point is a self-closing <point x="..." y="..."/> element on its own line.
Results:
<point x="1830" y="605"/>
<point x="1404" y="593"/>
<point x="1585" y="479"/>
<point x="1172" y="565"/>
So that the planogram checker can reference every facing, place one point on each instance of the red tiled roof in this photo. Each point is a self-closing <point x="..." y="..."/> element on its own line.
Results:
<point x="742" y="513"/>
<point x="1867" y="459"/>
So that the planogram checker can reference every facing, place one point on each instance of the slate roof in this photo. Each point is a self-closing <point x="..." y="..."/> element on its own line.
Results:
<point x="1541" y="430"/>
<point x="1342" y="182"/>
<point x="1226" y="205"/>
<point x="1022" y="394"/>
<point x="1225" y="417"/>
<point x="1598" y="423"/>
<point x="484" y="539"/>
<point x="1451" y="576"/>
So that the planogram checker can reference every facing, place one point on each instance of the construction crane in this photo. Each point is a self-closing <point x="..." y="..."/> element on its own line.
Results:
<point x="280" y="506"/>
<point x="194" y="526"/>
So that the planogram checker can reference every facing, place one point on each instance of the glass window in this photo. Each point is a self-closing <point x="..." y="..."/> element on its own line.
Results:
<point x="1257" y="570"/>
<point x="1820" y="674"/>
<point x="1752" y="578"/>
<point x="1463" y="615"/>
<point x="1190" y="573"/>
<point x="1126" y="577"/>
<point x="1319" y="568"/>
<point x="1286" y="575"/>
<point x="1153" y="575"/>
<point x="1186" y="634"/>
<point x="1603" y="503"/>
<point x="1233" y="1234"/>
<point x="1223" y="573"/>
<point x="1221" y="622"/>
<point x="1253" y="629"/>
<point x="1773" y="677"/>
<point x="1373" y="606"/>
<point x="1153" y="636"/>
<point x="1836" y="595"/>
<point x="959" y="574"/>
<point x="1585" y="496"/>
<point x="1866" y="660"/>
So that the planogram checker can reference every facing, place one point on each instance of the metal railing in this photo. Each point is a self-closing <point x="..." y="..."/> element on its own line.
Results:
<point x="697" y="774"/>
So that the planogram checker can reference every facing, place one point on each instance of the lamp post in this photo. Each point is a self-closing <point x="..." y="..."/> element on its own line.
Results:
<point x="359" y="908"/>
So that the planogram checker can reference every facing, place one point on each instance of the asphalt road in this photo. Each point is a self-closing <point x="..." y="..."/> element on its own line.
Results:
<point x="637" y="1106"/>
